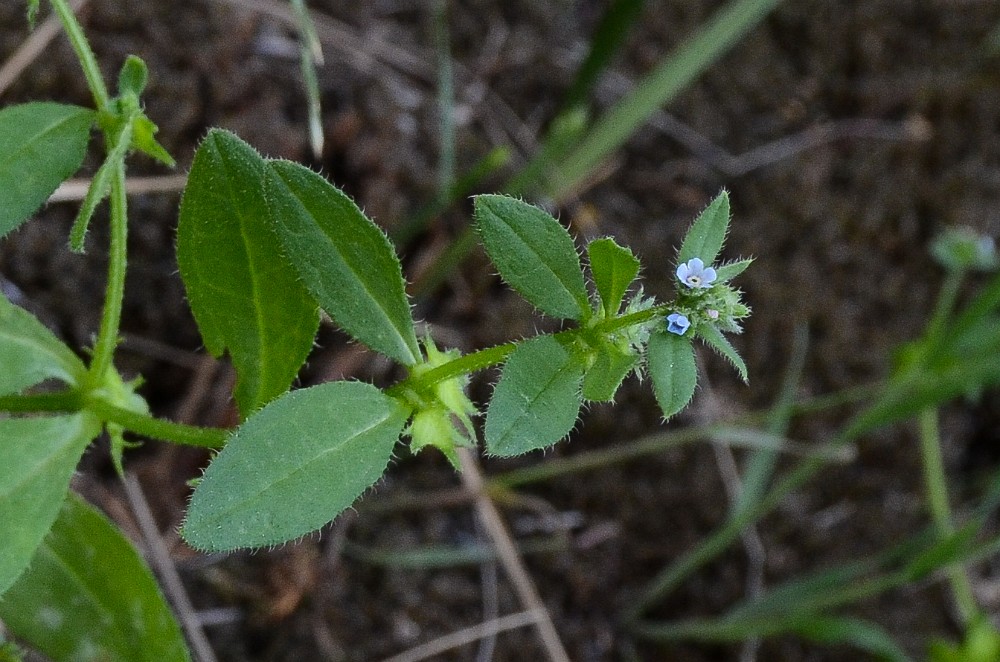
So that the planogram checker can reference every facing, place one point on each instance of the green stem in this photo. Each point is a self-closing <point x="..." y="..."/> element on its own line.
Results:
<point x="310" y="54"/>
<point x="63" y="401"/>
<point x="937" y="500"/>
<point x="156" y="428"/>
<point x="141" y="424"/>
<point x="943" y="311"/>
<point x="107" y="337"/>
<point x="83" y="53"/>
<point x="491" y="356"/>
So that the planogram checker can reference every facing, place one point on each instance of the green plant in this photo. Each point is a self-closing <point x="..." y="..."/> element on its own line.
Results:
<point x="263" y="246"/>
<point x="955" y="357"/>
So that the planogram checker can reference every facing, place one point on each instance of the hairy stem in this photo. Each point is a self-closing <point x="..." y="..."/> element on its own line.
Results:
<point x="107" y="337"/>
<point x="491" y="356"/>
<point x="937" y="500"/>
<point x="141" y="424"/>
<point x="83" y="53"/>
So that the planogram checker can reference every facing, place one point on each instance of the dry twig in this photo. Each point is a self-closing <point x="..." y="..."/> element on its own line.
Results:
<point x="32" y="47"/>
<point x="488" y="514"/>
<point x="170" y="580"/>
<point x="467" y="636"/>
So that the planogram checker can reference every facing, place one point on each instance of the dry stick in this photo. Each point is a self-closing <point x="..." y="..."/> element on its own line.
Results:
<point x="32" y="47"/>
<point x="169" y="578"/>
<point x="491" y="602"/>
<point x="752" y="543"/>
<point x="467" y="636"/>
<point x="910" y="130"/>
<point x="76" y="189"/>
<point x="472" y="478"/>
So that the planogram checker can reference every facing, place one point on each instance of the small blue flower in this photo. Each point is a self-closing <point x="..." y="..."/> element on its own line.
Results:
<point x="677" y="323"/>
<point x="695" y="274"/>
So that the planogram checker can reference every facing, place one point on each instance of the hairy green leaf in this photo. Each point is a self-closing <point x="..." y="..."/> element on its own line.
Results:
<point x="89" y="596"/>
<point x="133" y="76"/>
<point x="40" y="455"/>
<point x="609" y="370"/>
<point x="534" y="254"/>
<point x="714" y="339"/>
<point x="613" y="268"/>
<point x="537" y="400"/>
<point x="100" y="186"/>
<point x="706" y="235"/>
<point x="344" y="259"/>
<point x="41" y="144"/>
<point x="244" y="294"/>
<point x="730" y="270"/>
<point x="672" y="368"/>
<point x="294" y="466"/>
<point x="30" y="353"/>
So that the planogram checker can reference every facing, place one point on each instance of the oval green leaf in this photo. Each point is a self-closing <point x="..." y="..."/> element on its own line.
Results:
<point x="40" y="455"/>
<point x="730" y="270"/>
<point x="672" y="368"/>
<point x="613" y="269"/>
<point x="537" y="400"/>
<point x="244" y="294"/>
<point x="89" y="596"/>
<point x="706" y="235"/>
<point x="344" y="259"/>
<point x="534" y="254"/>
<point x="41" y="144"/>
<point x="609" y="370"/>
<point x="294" y="466"/>
<point x="30" y="353"/>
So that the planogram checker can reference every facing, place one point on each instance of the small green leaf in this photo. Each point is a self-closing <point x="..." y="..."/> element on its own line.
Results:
<point x="39" y="457"/>
<point x="714" y="339"/>
<point x="133" y="76"/>
<point x="613" y="268"/>
<point x="537" y="400"/>
<point x="607" y="373"/>
<point x="143" y="132"/>
<point x="534" y="254"/>
<point x="89" y="596"/>
<point x="672" y="368"/>
<point x="731" y="270"/>
<point x="100" y="186"/>
<point x="30" y="353"/>
<point x="344" y="259"/>
<point x="708" y="232"/>
<point x="294" y="466"/>
<point x="41" y="144"/>
<point x="245" y="296"/>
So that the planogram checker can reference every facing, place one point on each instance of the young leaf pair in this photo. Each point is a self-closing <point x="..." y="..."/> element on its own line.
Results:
<point x="262" y="244"/>
<point x="543" y="383"/>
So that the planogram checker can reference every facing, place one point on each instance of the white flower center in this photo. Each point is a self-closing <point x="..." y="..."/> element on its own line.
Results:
<point x="694" y="281"/>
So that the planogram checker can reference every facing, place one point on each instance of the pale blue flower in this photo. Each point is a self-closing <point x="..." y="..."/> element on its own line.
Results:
<point x="695" y="274"/>
<point x="677" y="323"/>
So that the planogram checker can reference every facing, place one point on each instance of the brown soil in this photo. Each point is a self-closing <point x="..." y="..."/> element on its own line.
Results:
<point x="839" y="229"/>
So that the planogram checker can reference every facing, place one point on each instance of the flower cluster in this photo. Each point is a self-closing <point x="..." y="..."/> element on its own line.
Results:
<point x="707" y="298"/>
<point x="958" y="249"/>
